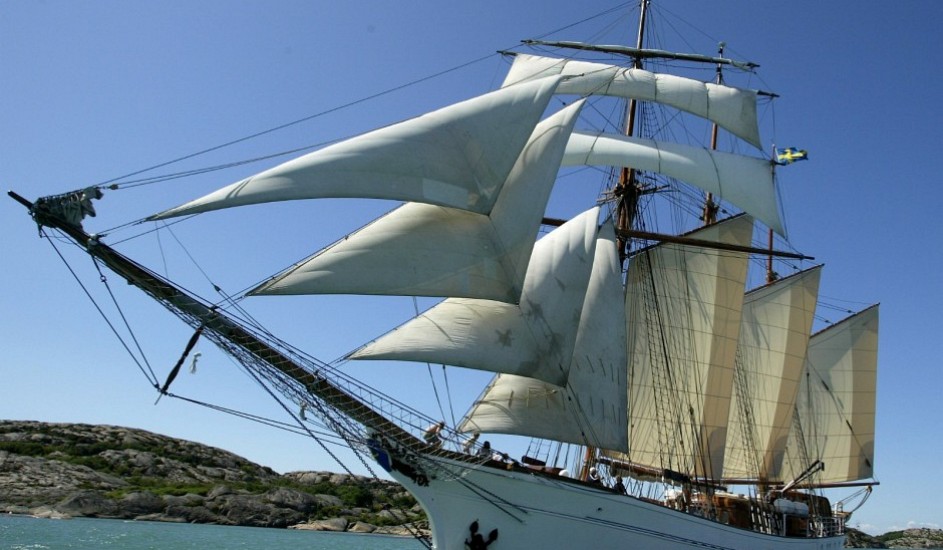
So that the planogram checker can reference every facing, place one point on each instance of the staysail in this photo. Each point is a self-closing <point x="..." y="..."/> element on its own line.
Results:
<point x="450" y="157"/>
<point x="533" y="339"/>
<point x="427" y="250"/>
<point x="590" y="408"/>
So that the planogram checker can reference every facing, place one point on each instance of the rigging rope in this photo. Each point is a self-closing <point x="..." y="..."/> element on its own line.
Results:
<point x="114" y="182"/>
<point x="348" y="442"/>
<point x="183" y="357"/>
<point x="435" y="388"/>
<point x="145" y="369"/>
<point x="270" y="422"/>
<point x="344" y="433"/>
<point x="448" y="393"/>
<point x="615" y="9"/>
<point x="205" y="170"/>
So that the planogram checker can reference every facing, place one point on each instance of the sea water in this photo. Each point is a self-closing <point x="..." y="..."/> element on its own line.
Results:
<point x="27" y="533"/>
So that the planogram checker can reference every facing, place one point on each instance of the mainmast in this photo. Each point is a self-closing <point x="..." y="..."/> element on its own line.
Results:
<point x="710" y="206"/>
<point x="627" y="190"/>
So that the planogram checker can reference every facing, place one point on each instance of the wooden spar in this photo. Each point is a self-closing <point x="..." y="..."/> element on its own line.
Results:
<point x="642" y="472"/>
<point x="678" y="239"/>
<point x="641" y="53"/>
<point x="776" y="484"/>
<point x="219" y="324"/>
<point x="837" y="485"/>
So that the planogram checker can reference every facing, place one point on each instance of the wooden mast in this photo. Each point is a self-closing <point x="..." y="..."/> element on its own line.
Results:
<point x="771" y="275"/>
<point x="627" y="192"/>
<point x="710" y="206"/>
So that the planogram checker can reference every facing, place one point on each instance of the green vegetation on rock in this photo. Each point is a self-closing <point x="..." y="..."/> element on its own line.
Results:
<point x="108" y="471"/>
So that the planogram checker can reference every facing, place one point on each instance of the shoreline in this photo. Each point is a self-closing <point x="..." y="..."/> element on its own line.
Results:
<point x="58" y="516"/>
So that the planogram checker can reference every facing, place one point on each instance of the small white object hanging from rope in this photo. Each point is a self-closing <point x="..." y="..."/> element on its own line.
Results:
<point x="196" y="356"/>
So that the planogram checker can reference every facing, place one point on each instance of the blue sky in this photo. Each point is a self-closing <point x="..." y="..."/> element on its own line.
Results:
<point x="93" y="90"/>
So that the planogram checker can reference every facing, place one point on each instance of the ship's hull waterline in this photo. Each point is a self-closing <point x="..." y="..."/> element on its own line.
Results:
<point x="537" y="511"/>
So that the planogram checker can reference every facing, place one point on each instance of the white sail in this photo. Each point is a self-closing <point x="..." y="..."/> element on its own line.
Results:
<point x="683" y="312"/>
<point x="426" y="250"/>
<point x="746" y="182"/>
<point x="590" y="408"/>
<point x="774" y="335"/>
<point x="733" y="109"/>
<point x="533" y="339"/>
<point x="458" y="156"/>
<point x="836" y="402"/>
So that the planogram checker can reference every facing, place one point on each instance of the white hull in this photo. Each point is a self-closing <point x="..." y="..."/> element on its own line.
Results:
<point x="534" y="511"/>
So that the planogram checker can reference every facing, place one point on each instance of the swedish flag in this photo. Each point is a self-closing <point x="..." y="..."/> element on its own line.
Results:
<point x="790" y="155"/>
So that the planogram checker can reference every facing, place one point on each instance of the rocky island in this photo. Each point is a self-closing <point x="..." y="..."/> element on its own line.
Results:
<point x="80" y="470"/>
<point x="69" y="470"/>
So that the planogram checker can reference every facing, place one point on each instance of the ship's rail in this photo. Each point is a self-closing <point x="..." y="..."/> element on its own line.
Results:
<point x="758" y="513"/>
<point x="826" y="526"/>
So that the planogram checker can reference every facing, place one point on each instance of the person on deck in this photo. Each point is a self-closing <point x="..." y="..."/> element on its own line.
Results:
<point x="470" y="443"/>
<point x="619" y="487"/>
<point x="433" y="434"/>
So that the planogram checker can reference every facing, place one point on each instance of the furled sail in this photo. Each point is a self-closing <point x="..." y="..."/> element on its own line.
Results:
<point x="733" y="109"/>
<point x="836" y="402"/>
<point x="746" y="182"/>
<point x="426" y="250"/>
<point x="683" y="313"/>
<point x="534" y="339"/>
<point x="458" y="156"/>
<point x="590" y="408"/>
<point x="774" y="334"/>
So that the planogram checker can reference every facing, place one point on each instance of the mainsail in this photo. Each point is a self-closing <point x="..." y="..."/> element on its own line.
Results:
<point x="774" y="335"/>
<point x="683" y="312"/>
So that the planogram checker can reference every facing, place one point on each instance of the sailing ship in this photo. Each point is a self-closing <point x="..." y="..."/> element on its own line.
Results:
<point x="703" y="413"/>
